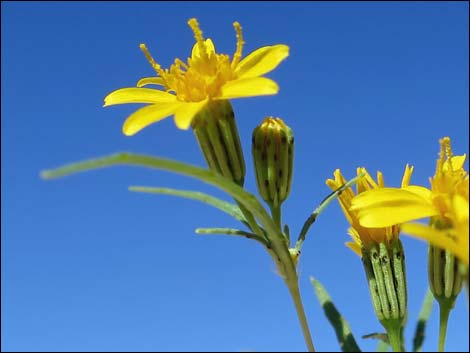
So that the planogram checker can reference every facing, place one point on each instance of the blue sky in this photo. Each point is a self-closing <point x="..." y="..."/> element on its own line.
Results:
<point x="88" y="265"/>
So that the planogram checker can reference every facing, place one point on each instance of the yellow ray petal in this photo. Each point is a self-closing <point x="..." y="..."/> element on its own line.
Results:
<point x="148" y="115"/>
<point x="438" y="238"/>
<point x="425" y="193"/>
<point x="261" y="61"/>
<point x="151" y="81"/>
<point x="461" y="208"/>
<point x="390" y="196"/>
<point x="354" y="247"/>
<point x="386" y="207"/>
<point x="186" y="112"/>
<point x="249" y="87"/>
<point x="385" y="216"/>
<point x="138" y="95"/>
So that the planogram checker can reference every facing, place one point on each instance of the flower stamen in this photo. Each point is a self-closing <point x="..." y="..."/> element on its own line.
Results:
<point x="181" y="63"/>
<point x="199" y="37"/>
<point x="238" y="52"/>
<point x="152" y="62"/>
<point x="407" y="176"/>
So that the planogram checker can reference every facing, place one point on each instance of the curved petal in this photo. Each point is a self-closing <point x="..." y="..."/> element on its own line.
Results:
<point x="425" y="193"/>
<point x="461" y="209"/>
<point x="210" y="48"/>
<point x="148" y="115"/>
<point x="186" y="112"/>
<point x="150" y="81"/>
<point x="249" y="87"/>
<point x="385" y="216"/>
<point x="439" y="238"/>
<point x="385" y="207"/>
<point x="261" y="61"/>
<point x="138" y="95"/>
<point x="389" y="196"/>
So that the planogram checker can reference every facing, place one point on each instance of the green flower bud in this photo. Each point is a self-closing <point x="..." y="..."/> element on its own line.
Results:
<point x="445" y="279"/>
<point x="273" y="155"/>
<point x="384" y="264"/>
<point x="217" y="135"/>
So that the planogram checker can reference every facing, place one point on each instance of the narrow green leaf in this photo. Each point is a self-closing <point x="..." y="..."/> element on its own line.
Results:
<point x="383" y="345"/>
<point x="207" y="176"/>
<point x="227" y="207"/>
<point x="231" y="231"/>
<point x="379" y="336"/>
<point x="279" y="251"/>
<point x="340" y="325"/>
<point x="325" y="202"/>
<point x="424" y="314"/>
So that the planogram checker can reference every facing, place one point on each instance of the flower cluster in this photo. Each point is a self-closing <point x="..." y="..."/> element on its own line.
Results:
<point x="197" y="92"/>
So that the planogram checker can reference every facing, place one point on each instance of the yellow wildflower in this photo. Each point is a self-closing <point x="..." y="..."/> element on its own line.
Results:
<point x="207" y="76"/>
<point x="447" y="202"/>
<point x="361" y="235"/>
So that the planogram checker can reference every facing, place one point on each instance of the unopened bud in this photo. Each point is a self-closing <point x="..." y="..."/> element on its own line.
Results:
<point x="273" y="155"/>
<point x="445" y="279"/>
<point x="217" y="135"/>
<point x="384" y="264"/>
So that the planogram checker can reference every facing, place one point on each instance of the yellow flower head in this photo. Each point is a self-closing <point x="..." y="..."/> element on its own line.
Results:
<point x="361" y="235"/>
<point x="446" y="202"/>
<point x="206" y="76"/>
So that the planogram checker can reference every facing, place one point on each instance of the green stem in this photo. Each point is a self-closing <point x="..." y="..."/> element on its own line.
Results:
<point x="444" y="311"/>
<point x="394" y="337"/>
<point x="293" y="285"/>
<point x="276" y="213"/>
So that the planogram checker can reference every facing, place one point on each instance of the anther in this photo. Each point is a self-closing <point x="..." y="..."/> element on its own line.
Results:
<point x="152" y="62"/>
<point x="198" y="36"/>
<point x="407" y="176"/>
<point x="238" y="52"/>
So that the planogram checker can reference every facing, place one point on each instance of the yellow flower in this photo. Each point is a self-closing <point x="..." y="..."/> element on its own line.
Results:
<point x="207" y="76"/>
<point x="446" y="202"/>
<point x="361" y="235"/>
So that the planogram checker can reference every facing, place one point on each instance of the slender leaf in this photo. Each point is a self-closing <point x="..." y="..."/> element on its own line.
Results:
<point x="424" y="314"/>
<point x="227" y="207"/>
<point x="383" y="345"/>
<point x="279" y="250"/>
<point x="339" y="323"/>
<point x="231" y="231"/>
<point x="325" y="202"/>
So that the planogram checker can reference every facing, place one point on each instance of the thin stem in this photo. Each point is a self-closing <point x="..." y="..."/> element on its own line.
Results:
<point x="293" y="286"/>
<point x="394" y="337"/>
<point x="276" y="214"/>
<point x="444" y="311"/>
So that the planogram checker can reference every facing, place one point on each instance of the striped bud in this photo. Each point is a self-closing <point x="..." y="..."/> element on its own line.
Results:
<point x="445" y="279"/>
<point x="216" y="131"/>
<point x="384" y="264"/>
<point x="273" y="155"/>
